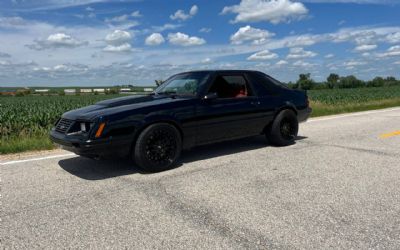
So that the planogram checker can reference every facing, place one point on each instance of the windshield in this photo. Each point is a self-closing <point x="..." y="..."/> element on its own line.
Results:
<point x="183" y="84"/>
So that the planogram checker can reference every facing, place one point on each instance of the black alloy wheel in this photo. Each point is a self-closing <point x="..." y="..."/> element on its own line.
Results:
<point x="158" y="147"/>
<point x="288" y="128"/>
<point x="283" y="130"/>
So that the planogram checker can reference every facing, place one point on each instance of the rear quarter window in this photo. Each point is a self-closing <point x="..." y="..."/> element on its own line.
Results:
<point x="265" y="85"/>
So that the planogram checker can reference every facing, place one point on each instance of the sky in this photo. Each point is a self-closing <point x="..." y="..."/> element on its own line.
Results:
<point x="104" y="42"/>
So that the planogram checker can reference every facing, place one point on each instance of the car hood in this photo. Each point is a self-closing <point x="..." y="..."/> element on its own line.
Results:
<point x="112" y="106"/>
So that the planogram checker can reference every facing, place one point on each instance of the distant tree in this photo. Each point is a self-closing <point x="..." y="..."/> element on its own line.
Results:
<point x="19" y="94"/>
<point x="305" y="82"/>
<point x="332" y="80"/>
<point x="391" y="81"/>
<point x="320" y="85"/>
<point x="350" y="82"/>
<point x="113" y="91"/>
<point x="22" y="92"/>
<point x="376" y="82"/>
<point x="292" y="85"/>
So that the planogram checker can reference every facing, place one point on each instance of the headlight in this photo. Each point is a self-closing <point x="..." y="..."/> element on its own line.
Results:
<point x="80" y="128"/>
<point x="83" y="127"/>
<point x="86" y="126"/>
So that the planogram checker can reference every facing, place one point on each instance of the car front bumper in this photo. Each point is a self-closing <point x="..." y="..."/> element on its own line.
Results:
<point x="101" y="148"/>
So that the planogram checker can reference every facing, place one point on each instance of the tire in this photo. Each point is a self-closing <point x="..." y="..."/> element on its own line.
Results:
<point x="283" y="130"/>
<point x="158" y="147"/>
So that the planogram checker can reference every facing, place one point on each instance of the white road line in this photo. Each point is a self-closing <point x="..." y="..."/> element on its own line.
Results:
<point x="310" y="120"/>
<point x="36" y="159"/>
<point x="352" y="114"/>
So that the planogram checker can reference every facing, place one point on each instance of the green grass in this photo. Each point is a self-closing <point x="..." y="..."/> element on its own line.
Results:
<point x="22" y="144"/>
<point x="321" y="109"/>
<point x="25" y="121"/>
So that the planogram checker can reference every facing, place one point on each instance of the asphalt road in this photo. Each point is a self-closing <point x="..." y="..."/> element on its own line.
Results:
<point x="337" y="187"/>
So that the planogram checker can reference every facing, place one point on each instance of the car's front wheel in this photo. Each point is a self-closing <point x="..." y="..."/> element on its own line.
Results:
<point x="158" y="147"/>
<point x="283" y="130"/>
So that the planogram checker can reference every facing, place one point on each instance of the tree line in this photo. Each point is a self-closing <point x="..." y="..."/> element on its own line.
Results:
<point x="334" y="81"/>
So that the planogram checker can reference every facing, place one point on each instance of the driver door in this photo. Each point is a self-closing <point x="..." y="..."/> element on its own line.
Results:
<point x="233" y="114"/>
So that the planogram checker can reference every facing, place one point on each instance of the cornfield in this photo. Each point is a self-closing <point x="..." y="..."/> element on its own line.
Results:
<point x="353" y="96"/>
<point x="35" y="115"/>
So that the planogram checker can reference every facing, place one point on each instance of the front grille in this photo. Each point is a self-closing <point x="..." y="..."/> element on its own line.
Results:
<point x="64" y="125"/>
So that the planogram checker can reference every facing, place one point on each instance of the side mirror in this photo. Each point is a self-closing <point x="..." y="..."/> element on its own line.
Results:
<point x="210" y="96"/>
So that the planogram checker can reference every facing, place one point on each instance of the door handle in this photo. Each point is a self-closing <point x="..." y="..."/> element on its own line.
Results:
<point x="255" y="103"/>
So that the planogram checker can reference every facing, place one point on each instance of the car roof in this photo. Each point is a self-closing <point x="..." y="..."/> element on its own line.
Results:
<point x="222" y="71"/>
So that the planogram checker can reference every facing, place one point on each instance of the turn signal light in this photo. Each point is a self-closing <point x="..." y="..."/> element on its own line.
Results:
<point x="100" y="129"/>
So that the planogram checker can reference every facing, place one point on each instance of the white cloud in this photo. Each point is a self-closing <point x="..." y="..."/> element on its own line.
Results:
<point x="353" y="63"/>
<point x="303" y="64"/>
<point x="5" y="63"/>
<point x="52" y="4"/>
<point x="328" y="56"/>
<point x="207" y="61"/>
<point x="248" y="33"/>
<point x="281" y="62"/>
<point x="13" y="22"/>
<point x="136" y="14"/>
<point x="205" y="30"/>
<point x="393" y="37"/>
<point x="167" y="26"/>
<point x="62" y="69"/>
<point x="118" y="37"/>
<point x="366" y="54"/>
<point x="193" y="11"/>
<point x="125" y="47"/>
<point x="118" y="41"/>
<point x="298" y="53"/>
<point x="274" y="11"/>
<point x="365" y="47"/>
<point x="111" y="68"/>
<point x="155" y="39"/>
<point x="58" y="40"/>
<point x="352" y="1"/>
<point x="263" y="55"/>
<point x="184" y="40"/>
<point x="302" y="40"/>
<point x="181" y="15"/>
<point x="360" y="37"/>
<point x="4" y="55"/>
<point x="124" y="21"/>
<point x="392" y="51"/>
<point x="118" y="19"/>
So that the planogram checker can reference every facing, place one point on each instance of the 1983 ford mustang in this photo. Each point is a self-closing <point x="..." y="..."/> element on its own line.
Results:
<point x="188" y="109"/>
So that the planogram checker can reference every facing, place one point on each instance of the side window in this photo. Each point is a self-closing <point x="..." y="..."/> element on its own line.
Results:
<point x="230" y="86"/>
<point x="265" y="85"/>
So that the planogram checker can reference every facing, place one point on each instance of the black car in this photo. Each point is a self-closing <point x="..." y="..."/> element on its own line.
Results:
<point x="188" y="109"/>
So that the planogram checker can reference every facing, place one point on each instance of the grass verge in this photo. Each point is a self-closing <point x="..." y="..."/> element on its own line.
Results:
<point x="42" y="142"/>
<point x="321" y="109"/>
<point x="21" y="144"/>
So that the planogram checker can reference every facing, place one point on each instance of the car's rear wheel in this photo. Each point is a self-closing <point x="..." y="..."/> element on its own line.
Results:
<point x="158" y="147"/>
<point x="283" y="130"/>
